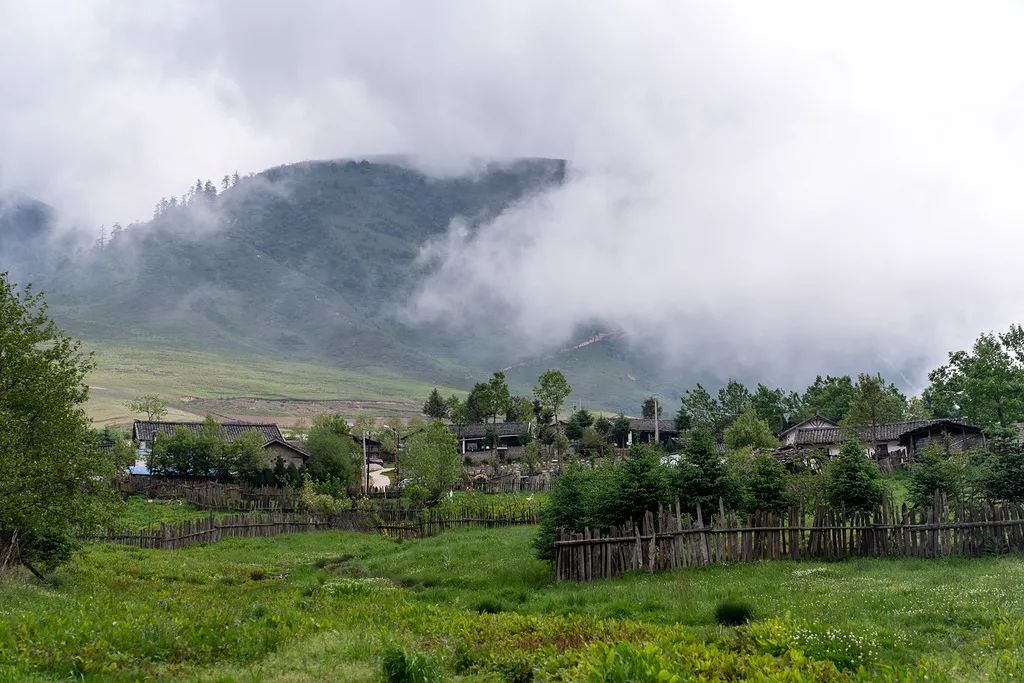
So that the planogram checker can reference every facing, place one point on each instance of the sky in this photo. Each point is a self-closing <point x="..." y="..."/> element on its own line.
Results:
<point x="771" y="188"/>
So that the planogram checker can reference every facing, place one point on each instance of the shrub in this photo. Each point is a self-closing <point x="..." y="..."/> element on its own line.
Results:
<point x="489" y="606"/>
<point x="932" y="472"/>
<point x="399" y="666"/>
<point x="767" y="485"/>
<point x="702" y="476"/>
<point x="733" y="612"/>
<point x="1004" y="479"/>
<point x="853" y="480"/>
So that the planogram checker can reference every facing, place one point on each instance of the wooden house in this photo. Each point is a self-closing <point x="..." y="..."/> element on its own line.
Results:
<point x="643" y="431"/>
<point x="472" y="436"/>
<point x="146" y="432"/>
<point x="892" y="444"/>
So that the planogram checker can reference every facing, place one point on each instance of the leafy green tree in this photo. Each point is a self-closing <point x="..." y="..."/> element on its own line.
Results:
<point x="683" y="419"/>
<point x="767" y="485"/>
<point x="567" y="508"/>
<point x="458" y="412"/>
<point x="498" y="396"/>
<point x="917" y="409"/>
<point x="243" y="457"/>
<point x="55" y="481"/>
<point x="702" y="409"/>
<point x="830" y="397"/>
<point x="776" y="407"/>
<point x="651" y="408"/>
<point x="435" y="407"/>
<point x="874" y="403"/>
<point x="531" y="457"/>
<point x="934" y="471"/>
<point x="985" y="385"/>
<point x="852" y="480"/>
<point x="702" y="477"/>
<point x="579" y="421"/>
<point x="432" y="458"/>
<point x="749" y="431"/>
<point x="333" y="453"/>
<point x="593" y="444"/>
<point x="150" y="405"/>
<point x="641" y="484"/>
<point x="732" y="399"/>
<point x="519" y="409"/>
<point x="478" y="403"/>
<point x="551" y="390"/>
<point x="619" y="432"/>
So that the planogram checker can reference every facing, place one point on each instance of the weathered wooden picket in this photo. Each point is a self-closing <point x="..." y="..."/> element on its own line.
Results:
<point x="670" y="540"/>
<point x="431" y="522"/>
<point x="394" y="522"/>
<point x="212" y="495"/>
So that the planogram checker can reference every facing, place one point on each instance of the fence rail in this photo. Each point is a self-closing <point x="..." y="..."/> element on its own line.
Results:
<point x="393" y="522"/>
<point x="669" y="540"/>
<point x="212" y="495"/>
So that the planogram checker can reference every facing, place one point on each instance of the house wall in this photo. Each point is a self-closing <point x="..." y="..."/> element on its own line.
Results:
<point x="274" y="450"/>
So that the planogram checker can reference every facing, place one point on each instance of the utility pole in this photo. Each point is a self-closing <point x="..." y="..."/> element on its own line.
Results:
<point x="366" y="468"/>
<point x="657" y="434"/>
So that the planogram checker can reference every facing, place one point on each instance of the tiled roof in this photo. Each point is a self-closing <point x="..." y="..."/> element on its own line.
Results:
<point x="477" y="430"/>
<point x="145" y="431"/>
<point x="891" y="431"/>
<point x="647" y="425"/>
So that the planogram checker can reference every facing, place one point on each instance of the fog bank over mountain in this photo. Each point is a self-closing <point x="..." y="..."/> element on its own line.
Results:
<point x="754" y="190"/>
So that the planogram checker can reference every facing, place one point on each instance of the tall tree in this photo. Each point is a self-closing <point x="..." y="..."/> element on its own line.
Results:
<point x="732" y="399"/>
<point x="702" y="408"/>
<point x="150" y="405"/>
<point x="498" y="396"/>
<point x="55" y="481"/>
<point x="651" y="408"/>
<point x="874" y="403"/>
<point x="829" y="397"/>
<point x="985" y="385"/>
<point x="578" y="422"/>
<point x="776" y="407"/>
<point x="748" y="430"/>
<point x="432" y="458"/>
<point x="551" y="390"/>
<point x="435" y="406"/>
<point x="333" y="454"/>
<point x="519" y="409"/>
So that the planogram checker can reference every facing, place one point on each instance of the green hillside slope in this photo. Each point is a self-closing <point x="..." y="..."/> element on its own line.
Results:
<point x="311" y="263"/>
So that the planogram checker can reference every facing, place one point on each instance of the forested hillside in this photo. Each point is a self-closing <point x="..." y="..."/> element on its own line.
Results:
<point x="306" y="261"/>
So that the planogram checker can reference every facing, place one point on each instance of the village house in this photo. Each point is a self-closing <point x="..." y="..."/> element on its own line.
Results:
<point x="472" y="436"/>
<point x="145" y="432"/>
<point x="892" y="444"/>
<point x="651" y="431"/>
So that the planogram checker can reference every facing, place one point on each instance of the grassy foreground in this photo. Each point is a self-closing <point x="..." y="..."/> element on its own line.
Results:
<point x="327" y="606"/>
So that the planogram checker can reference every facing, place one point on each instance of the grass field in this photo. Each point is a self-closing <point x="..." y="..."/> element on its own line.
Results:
<point x="180" y="376"/>
<point x="326" y="606"/>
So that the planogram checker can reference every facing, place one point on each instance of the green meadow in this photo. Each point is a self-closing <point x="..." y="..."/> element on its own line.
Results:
<point x="475" y="605"/>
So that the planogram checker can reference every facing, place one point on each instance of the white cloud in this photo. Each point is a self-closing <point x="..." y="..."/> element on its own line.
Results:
<point x="774" y="186"/>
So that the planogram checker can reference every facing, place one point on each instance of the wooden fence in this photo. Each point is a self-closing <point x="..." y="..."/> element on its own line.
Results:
<point x="212" y="495"/>
<point x="394" y="522"/>
<point x="510" y="483"/>
<point x="670" y="540"/>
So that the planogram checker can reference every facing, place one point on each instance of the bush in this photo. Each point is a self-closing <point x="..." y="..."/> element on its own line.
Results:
<point x="1004" y="479"/>
<point x="933" y="471"/>
<point x="733" y="612"/>
<point x="702" y="476"/>
<point x="489" y="606"/>
<point x="399" y="666"/>
<point x="853" y="480"/>
<point x="767" y="485"/>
